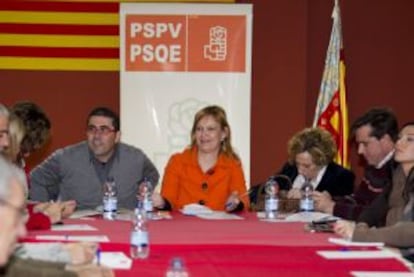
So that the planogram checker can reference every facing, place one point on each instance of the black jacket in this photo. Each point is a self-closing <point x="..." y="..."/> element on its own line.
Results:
<point x="337" y="180"/>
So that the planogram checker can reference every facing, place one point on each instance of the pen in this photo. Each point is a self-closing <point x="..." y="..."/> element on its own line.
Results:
<point x="98" y="256"/>
<point x="229" y="204"/>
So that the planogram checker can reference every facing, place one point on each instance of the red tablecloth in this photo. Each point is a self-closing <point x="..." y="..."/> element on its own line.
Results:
<point x="230" y="248"/>
<point x="250" y="260"/>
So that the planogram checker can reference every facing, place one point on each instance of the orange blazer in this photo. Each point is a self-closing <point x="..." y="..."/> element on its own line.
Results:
<point x="184" y="182"/>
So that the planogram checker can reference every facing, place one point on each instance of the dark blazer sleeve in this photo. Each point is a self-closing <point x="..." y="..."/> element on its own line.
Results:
<point x="337" y="180"/>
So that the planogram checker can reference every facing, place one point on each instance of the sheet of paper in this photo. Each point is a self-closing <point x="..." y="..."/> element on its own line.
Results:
<point x="346" y="242"/>
<point x="195" y="209"/>
<point x="84" y="213"/>
<point x="307" y="216"/>
<point x="215" y="215"/>
<point x="155" y="216"/>
<point x="115" y="260"/>
<point x="73" y="238"/>
<point x="349" y="254"/>
<point x="73" y="227"/>
<point x="381" y="274"/>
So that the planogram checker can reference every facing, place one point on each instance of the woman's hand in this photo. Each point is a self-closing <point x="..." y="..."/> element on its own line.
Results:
<point x="232" y="202"/>
<point x="294" y="193"/>
<point x="344" y="228"/>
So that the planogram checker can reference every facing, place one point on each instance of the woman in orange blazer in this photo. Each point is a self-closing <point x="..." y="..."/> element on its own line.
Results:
<point x="208" y="172"/>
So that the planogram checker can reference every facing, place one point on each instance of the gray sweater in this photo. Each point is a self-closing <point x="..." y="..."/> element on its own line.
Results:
<point x="69" y="174"/>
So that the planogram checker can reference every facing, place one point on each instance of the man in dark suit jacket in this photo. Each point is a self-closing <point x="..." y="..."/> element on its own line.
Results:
<point x="375" y="133"/>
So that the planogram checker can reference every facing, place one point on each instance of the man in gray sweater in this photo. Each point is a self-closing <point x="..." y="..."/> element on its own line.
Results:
<point x="77" y="172"/>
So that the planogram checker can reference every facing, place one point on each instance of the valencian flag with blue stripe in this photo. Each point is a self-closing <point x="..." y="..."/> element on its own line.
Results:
<point x="331" y="110"/>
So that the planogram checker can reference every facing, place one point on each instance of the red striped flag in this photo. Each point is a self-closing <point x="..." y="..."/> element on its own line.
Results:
<point x="62" y="34"/>
<point x="59" y="35"/>
<point x="331" y="111"/>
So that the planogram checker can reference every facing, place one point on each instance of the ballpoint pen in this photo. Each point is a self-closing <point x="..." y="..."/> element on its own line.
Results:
<point x="98" y="256"/>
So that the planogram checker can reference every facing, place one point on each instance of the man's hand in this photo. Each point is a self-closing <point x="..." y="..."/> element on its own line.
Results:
<point x="54" y="211"/>
<point x="81" y="252"/>
<point x="323" y="202"/>
<point x="68" y="208"/>
<point x="157" y="200"/>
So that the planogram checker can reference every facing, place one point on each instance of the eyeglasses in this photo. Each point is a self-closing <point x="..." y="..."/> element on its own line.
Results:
<point x="104" y="130"/>
<point x="21" y="212"/>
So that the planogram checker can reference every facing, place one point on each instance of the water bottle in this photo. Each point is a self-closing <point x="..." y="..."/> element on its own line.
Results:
<point x="271" y="199"/>
<point x="145" y="197"/>
<point x="306" y="202"/>
<point x="139" y="236"/>
<point x="176" y="268"/>
<point x="110" y="200"/>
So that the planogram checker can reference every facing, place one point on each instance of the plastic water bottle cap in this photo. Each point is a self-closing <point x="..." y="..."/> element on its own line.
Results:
<point x="177" y="263"/>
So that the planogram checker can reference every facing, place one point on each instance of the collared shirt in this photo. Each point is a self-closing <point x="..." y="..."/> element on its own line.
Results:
<point x="385" y="160"/>
<point x="300" y="179"/>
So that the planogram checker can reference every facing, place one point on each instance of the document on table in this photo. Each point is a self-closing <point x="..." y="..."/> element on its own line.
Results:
<point x="308" y="217"/>
<point x="346" y="242"/>
<point x="219" y="215"/>
<point x="363" y="254"/>
<point x="196" y="209"/>
<point x="84" y="213"/>
<point x="115" y="260"/>
<point x="73" y="238"/>
<point x="381" y="274"/>
<point x="73" y="227"/>
<point x="280" y="217"/>
<point x="155" y="216"/>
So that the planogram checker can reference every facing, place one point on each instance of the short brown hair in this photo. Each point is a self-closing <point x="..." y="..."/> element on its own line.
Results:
<point x="36" y="123"/>
<point x="317" y="142"/>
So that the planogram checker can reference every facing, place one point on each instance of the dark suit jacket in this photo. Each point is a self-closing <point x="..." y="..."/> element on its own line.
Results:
<point x="337" y="180"/>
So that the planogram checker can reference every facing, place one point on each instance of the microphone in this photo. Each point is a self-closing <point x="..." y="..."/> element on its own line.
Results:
<point x="281" y="179"/>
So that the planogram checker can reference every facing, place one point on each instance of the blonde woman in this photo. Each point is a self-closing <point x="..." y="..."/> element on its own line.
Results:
<point x="208" y="172"/>
<point x="311" y="153"/>
<point x="16" y="135"/>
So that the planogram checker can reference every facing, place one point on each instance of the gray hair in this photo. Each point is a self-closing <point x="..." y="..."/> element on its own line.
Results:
<point x="8" y="172"/>
<point x="4" y="111"/>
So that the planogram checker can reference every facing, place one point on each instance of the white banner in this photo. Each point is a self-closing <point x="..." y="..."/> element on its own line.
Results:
<point x="176" y="59"/>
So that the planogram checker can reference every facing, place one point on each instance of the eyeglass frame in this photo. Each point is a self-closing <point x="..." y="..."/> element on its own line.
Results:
<point x="104" y="130"/>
